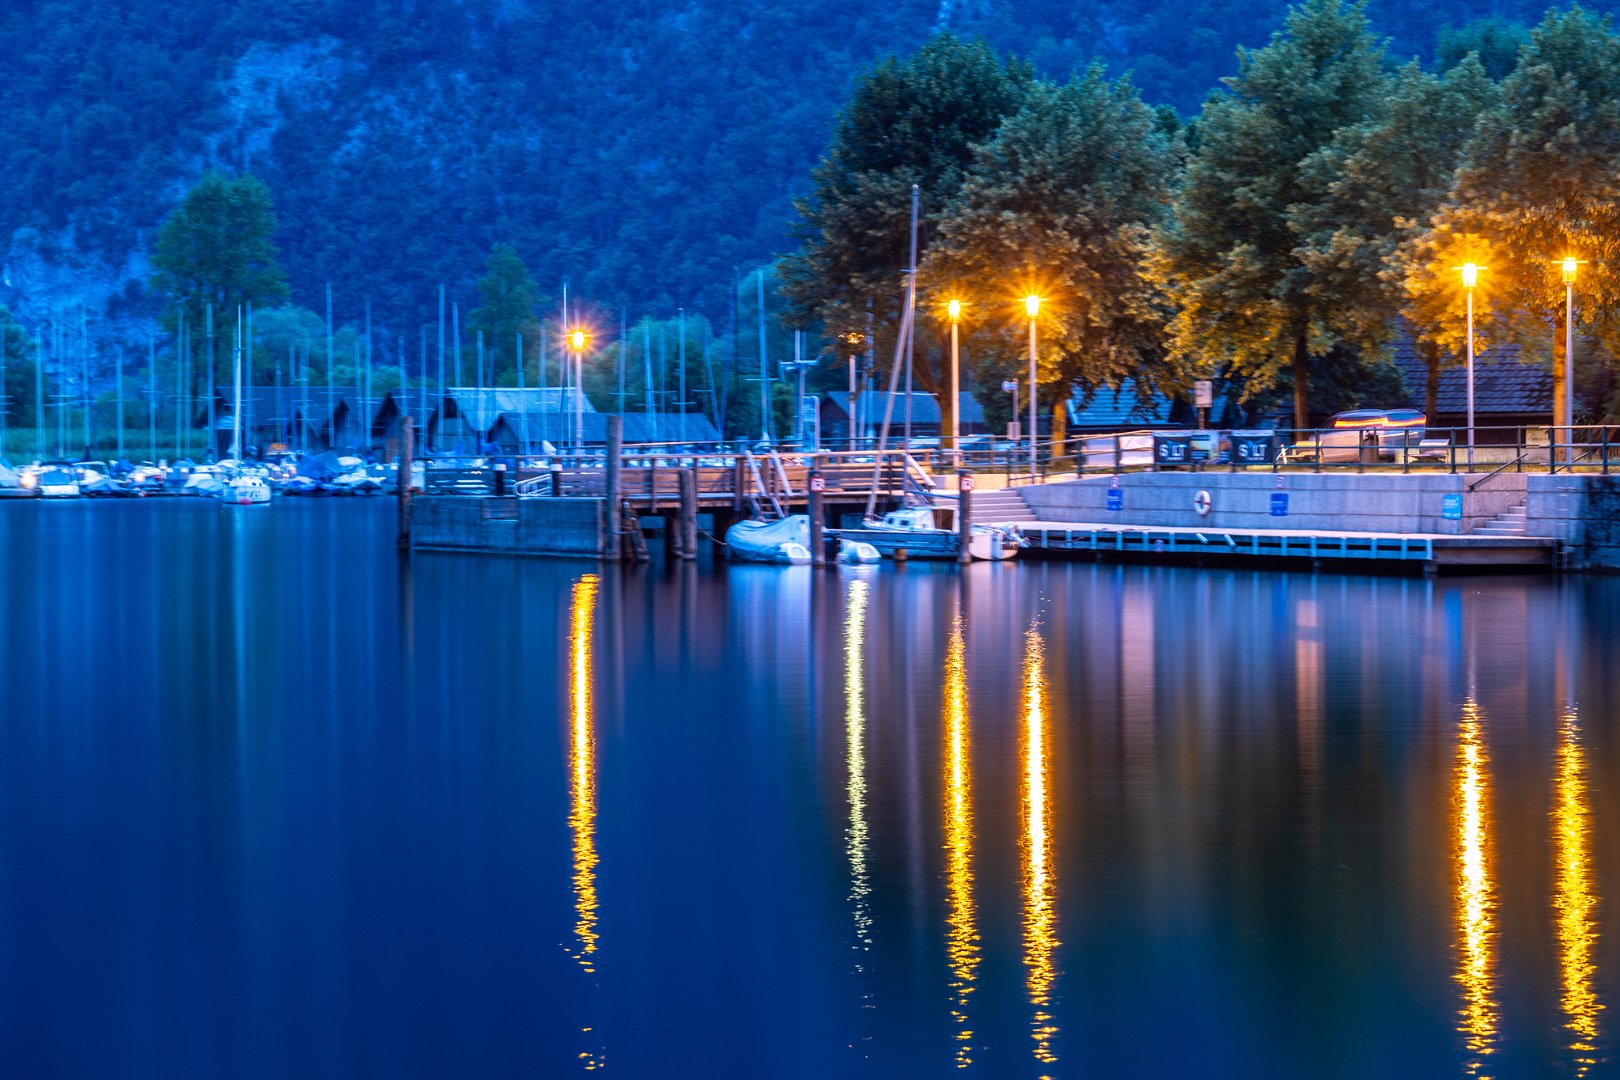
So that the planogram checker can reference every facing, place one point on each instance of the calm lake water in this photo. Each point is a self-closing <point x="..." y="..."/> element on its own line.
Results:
<point x="275" y="803"/>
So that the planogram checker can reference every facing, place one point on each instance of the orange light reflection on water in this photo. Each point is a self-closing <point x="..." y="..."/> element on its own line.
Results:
<point x="1475" y="897"/>
<point x="962" y="936"/>
<point x="1575" y="900"/>
<point x="1040" y="940"/>
<point x="582" y="780"/>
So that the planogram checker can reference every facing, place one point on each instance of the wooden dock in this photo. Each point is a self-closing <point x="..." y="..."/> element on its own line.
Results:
<point x="1428" y="551"/>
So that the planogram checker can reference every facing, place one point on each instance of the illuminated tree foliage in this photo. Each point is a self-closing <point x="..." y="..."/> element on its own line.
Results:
<point x="1379" y="182"/>
<point x="1061" y="204"/>
<point x="912" y="121"/>
<point x="1541" y="180"/>
<point x="1235" y="260"/>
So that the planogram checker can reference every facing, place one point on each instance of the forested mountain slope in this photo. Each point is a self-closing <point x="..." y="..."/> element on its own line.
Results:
<point x="640" y="149"/>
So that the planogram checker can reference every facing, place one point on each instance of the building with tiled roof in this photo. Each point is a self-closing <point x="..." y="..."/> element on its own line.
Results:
<point x="1510" y="390"/>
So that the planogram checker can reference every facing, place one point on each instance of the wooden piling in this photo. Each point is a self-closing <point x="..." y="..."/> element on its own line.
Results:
<point x="686" y="522"/>
<point x="964" y="517"/>
<point x="632" y="534"/>
<point x="406" y="431"/>
<point x="817" y="511"/>
<point x="614" y="464"/>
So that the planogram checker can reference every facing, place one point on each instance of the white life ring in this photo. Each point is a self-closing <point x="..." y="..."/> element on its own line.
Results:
<point x="1201" y="503"/>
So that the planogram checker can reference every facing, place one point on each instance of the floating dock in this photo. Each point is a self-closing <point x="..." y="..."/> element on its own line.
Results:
<point x="1431" y="552"/>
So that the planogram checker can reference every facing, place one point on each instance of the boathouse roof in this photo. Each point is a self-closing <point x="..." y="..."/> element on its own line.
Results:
<point x="480" y="408"/>
<point x="1506" y="383"/>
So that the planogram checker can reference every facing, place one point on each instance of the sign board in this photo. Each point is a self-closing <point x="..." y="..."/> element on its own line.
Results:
<point x="1172" y="450"/>
<point x="1203" y="393"/>
<point x="1279" y="504"/>
<point x="818" y="483"/>
<point x="1116" y="499"/>
<point x="1009" y="385"/>
<point x="966" y="482"/>
<point x="1451" y="507"/>
<point x="1253" y="448"/>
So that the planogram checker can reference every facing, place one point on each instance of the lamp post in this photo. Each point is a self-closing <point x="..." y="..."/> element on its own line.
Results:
<point x="1032" y="306"/>
<point x="854" y="340"/>
<point x="1470" y="276"/>
<point x="1570" y="266"/>
<point x="577" y="341"/>
<point x="954" y="310"/>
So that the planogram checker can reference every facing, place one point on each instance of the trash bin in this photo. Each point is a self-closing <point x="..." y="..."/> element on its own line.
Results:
<point x="1171" y="450"/>
<point x="1369" y="446"/>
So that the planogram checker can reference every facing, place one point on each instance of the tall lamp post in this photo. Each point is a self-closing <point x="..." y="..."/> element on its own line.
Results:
<point x="854" y="341"/>
<point x="1032" y="306"/>
<point x="954" y="310"/>
<point x="1470" y="277"/>
<point x="577" y="341"/>
<point x="1570" y="266"/>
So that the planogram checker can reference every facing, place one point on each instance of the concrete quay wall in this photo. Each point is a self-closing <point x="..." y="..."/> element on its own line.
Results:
<point x="1581" y="510"/>
<point x="560" y="528"/>
<point x="1333" y="502"/>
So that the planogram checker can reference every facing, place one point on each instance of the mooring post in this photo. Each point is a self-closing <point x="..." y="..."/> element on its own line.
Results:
<point x="818" y="487"/>
<point x="614" y="463"/>
<point x="405" y="467"/>
<point x="964" y="516"/>
<point x="556" y="478"/>
<point x="687" y="523"/>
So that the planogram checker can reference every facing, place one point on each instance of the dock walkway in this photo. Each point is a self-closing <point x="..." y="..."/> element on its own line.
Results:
<point x="1431" y="551"/>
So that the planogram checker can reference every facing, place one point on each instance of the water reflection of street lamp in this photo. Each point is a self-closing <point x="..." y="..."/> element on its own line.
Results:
<point x="1032" y="305"/>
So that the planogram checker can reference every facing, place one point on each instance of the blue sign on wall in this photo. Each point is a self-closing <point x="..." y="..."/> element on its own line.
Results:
<point x="1279" y="504"/>
<point x="1451" y="507"/>
<point x="1116" y="499"/>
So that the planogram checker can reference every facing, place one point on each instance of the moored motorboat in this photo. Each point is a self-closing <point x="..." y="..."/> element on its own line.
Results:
<point x="247" y="491"/>
<point x="914" y="531"/>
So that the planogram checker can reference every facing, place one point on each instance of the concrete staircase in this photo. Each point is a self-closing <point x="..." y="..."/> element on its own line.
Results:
<point x="1002" y="504"/>
<point x="1510" y="522"/>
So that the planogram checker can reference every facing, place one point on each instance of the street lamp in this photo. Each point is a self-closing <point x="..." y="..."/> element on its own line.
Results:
<point x="1470" y="277"/>
<point x="1032" y="305"/>
<point x="854" y="340"/>
<point x="954" y="310"/>
<point x="577" y="340"/>
<point x="1570" y="266"/>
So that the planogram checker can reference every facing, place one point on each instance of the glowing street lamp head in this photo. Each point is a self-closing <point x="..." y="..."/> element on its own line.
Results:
<point x="1470" y="275"/>
<point x="577" y="340"/>
<point x="954" y="310"/>
<point x="1032" y="304"/>
<point x="1570" y="266"/>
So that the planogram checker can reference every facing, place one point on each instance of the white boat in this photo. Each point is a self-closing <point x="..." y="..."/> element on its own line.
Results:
<point x="786" y="541"/>
<point x="58" y="482"/>
<point x="857" y="552"/>
<point x="247" y="491"/>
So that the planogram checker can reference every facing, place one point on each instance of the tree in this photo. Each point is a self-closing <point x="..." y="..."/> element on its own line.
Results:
<point x="17" y="349"/>
<point x="1233" y="260"/>
<point x="915" y="121"/>
<point x="508" y="299"/>
<point x="217" y="248"/>
<point x="1541" y="181"/>
<point x="1380" y="183"/>
<point x="1061" y="203"/>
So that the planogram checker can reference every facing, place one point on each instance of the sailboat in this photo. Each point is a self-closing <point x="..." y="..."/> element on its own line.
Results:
<point x="242" y="490"/>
